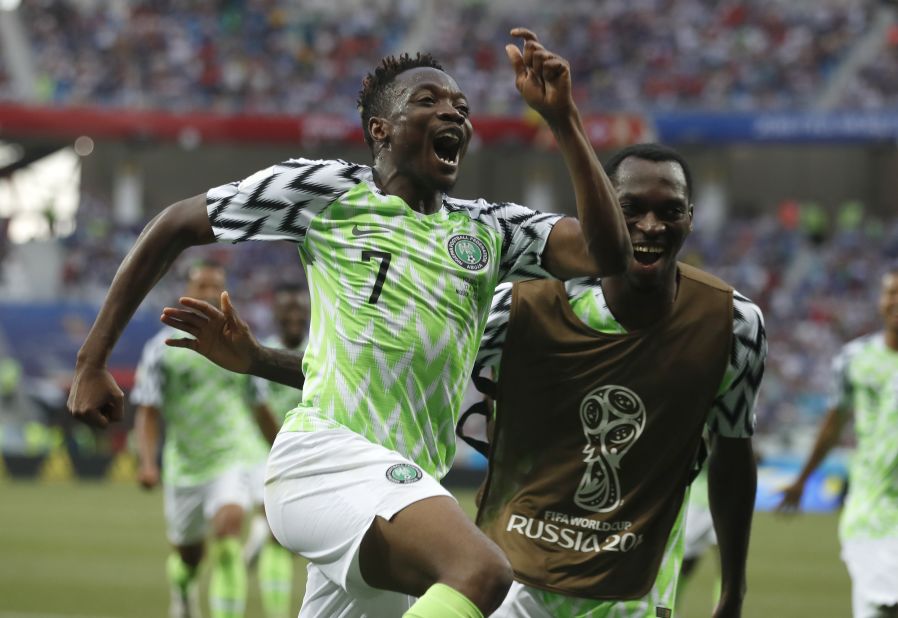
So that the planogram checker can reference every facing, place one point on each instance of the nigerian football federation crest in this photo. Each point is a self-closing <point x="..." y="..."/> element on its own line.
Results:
<point x="404" y="473"/>
<point x="468" y="252"/>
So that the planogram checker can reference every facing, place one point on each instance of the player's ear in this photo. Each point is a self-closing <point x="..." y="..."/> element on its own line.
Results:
<point x="379" y="129"/>
<point x="691" y="217"/>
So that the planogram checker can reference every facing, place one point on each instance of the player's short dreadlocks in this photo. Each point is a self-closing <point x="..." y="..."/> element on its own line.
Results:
<point x="377" y="87"/>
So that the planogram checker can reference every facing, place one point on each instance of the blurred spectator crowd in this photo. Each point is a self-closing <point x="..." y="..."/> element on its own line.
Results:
<point x="281" y="57"/>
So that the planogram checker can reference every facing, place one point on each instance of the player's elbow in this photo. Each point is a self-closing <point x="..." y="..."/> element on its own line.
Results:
<point x="185" y="223"/>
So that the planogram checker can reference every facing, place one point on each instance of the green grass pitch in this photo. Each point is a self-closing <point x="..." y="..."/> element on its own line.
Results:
<point x="98" y="551"/>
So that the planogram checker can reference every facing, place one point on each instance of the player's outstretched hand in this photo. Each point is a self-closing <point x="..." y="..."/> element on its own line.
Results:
<point x="542" y="77"/>
<point x="220" y="335"/>
<point x="95" y="398"/>
<point x="791" y="500"/>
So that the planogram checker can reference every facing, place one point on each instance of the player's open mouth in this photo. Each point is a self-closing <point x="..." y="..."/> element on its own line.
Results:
<point x="447" y="146"/>
<point x="647" y="254"/>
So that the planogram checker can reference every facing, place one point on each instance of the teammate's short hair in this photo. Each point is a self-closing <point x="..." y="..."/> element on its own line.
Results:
<point x="377" y="87"/>
<point x="204" y="263"/>
<point x="658" y="153"/>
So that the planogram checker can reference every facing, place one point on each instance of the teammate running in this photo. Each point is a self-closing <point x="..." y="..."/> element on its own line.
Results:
<point x="274" y="563"/>
<point x="209" y="432"/>
<point x="401" y="277"/>
<point x="865" y="384"/>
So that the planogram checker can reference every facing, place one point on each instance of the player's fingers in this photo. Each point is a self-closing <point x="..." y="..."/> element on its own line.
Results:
<point x="537" y="62"/>
<point x="531" y="50"/>
<point x="187" y="327"/>
<point x="516" y="59"/>
<point x="230" y="312"/>
<point x="524" y="33"/>
<point x="201" y="306"/>
<point x="115" y="410"/>
<point x="182" y="315"/>
<point x="92" y="418"/>
<point x="190" y="344"/>
<point x="554" y="69"/>
<point x="226" y="305"/>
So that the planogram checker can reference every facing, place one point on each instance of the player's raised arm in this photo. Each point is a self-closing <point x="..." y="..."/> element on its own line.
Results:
<point x="95" y="398"/>
<point x="597" y="245"/>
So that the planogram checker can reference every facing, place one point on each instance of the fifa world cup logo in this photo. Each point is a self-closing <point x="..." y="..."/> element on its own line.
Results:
<point x="613" y="418"/>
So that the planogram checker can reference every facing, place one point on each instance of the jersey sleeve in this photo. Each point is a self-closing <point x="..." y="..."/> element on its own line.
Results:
<point x="732" y="415"/>
<point x="279" y="203"/>
<point x="148" y="380"/>
<point x="842" y="391"/>
<point x="524" y="235"/>
<point x="490" y="352"/>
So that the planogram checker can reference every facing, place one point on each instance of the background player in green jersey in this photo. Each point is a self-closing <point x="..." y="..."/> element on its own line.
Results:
<point x="273" y="562"/>
<point x="209" y="436"/>
<point x="865" y="383"/>
<point x="401" y="277"/>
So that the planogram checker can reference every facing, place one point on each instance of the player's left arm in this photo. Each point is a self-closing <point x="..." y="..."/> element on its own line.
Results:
<point x="732" y="483"/>
<point x="598" y="244"/>
<point x="225" y="338"/>
<point x="265" y="419"/>
<point x="257" y="394"/>
<point x="732" y="468"/>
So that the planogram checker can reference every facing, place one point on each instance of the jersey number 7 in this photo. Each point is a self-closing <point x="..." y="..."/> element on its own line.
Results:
<point x="384" y="258"/>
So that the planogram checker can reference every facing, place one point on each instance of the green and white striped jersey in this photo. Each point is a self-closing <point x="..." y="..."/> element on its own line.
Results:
<point x="866" y="383"/>
<point x="280" y="397"/>
<point x="399" y="299"/>
<point x="209" y="422"/>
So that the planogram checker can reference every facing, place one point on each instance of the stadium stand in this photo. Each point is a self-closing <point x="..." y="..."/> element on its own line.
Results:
<point x="269" y="57"/>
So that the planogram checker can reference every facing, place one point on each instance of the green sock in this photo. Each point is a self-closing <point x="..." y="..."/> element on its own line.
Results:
<point x="179" y="574"/>
<point x="183" y="581"/>
<point x="275" y="578"/>
<point x="441" y="601"/>
<point x="227" y="581"/>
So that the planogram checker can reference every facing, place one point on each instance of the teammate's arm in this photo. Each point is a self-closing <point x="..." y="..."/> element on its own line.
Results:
<point x="827" y="438"/>
<point x="265" y="419"/>
<point x="598" y="244"/>
<point x="146" y="426"/>
<point x="95" y="398"/>
<point x="225" y="338"/>
<point x="732" y="483"/>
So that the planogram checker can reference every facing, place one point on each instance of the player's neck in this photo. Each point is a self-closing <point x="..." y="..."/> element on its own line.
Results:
<point x="391" y="181"/>
<point x="636" y="308"/>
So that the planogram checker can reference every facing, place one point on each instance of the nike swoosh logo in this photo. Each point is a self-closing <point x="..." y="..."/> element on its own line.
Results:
<point x="375" y="229"/>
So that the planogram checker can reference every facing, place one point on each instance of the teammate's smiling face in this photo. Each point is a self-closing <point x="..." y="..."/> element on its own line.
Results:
<point x="655" y="201"/>
<point x="427" y="130"/>
<point x="888" y="300"/>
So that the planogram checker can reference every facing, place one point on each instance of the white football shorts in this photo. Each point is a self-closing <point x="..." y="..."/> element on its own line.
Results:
<point x="873" y="566"/>
<point x="190" y="509"/>
<point x="322" y="492"/>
